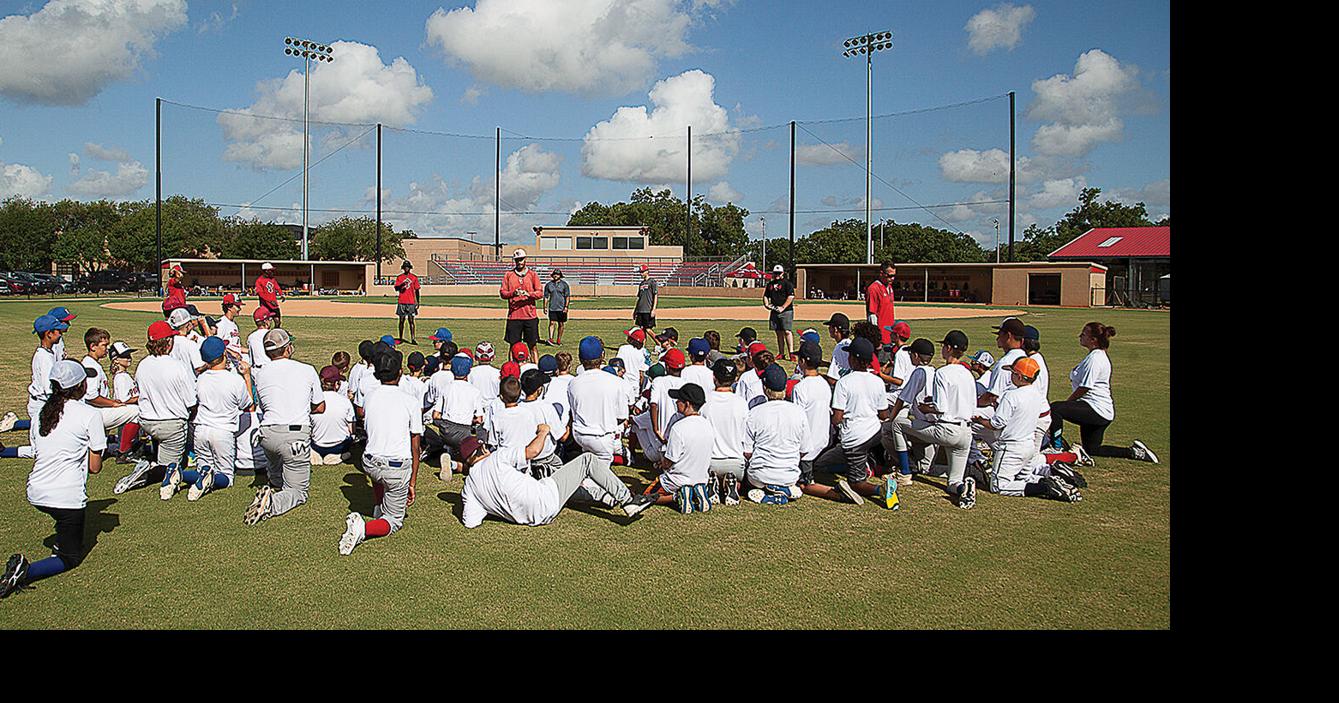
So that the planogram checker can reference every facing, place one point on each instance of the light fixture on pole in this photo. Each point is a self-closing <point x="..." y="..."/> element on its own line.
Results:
<point x="996" y="220"/>
<point x="308" y="51"/>
<point x="866" y="45"/>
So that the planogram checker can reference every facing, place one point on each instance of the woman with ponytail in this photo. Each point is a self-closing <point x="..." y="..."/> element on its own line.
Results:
<point x="1090" y="405"/>
<point x="67" y="447"/>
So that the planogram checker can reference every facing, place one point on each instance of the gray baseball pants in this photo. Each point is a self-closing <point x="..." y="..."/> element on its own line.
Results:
<point x="216" y="449"/>
<point x="171" y="436"/>
<point x="287" y="446"/>
<point x="957" y="439"/>
<point x="393" y="475"/>
<point x="570" y="477"/>
<point x="727" y="467"/>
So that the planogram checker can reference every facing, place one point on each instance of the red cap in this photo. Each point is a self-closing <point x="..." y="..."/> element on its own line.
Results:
<point x="636" y="333"/>
<point x="261" y="313"/>
<point x="232" y="299"/>
<point x="520" y="352"/>
<point x="644" y="267"/>
<point x="756" y="347"/>
<point x="511" y="368"/>
<point x="161" y="330"/>
<point x="674" y="359"/>
<point x="902" y="330"/>
<point x="331" y="374"/>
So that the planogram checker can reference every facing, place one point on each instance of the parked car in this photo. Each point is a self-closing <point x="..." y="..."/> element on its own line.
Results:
<point x="36" y="286"/>
<point x="57" y="284"/>
<point x="13" y="285"/>
<point x="103" y="282"/>
<point x="142" y="281"/>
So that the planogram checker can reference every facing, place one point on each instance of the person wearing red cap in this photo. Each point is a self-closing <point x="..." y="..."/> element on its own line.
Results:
<point x="651" y="427"/>
<point x="270" y="293"/>
<point x="749" y="386"/>
<point x="176" y="292"/>
<point x="255" y="342"/>
<point x="634" y="358"/>
<point x="520" y="353"/>
<point x="227" y="328"/>
<point x="520" y="288"/>
<point x="879" y="300"/>
<point x="167" y="402"/>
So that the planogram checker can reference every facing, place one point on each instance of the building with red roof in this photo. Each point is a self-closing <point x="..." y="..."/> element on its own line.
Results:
<point x="1138" y="261"/>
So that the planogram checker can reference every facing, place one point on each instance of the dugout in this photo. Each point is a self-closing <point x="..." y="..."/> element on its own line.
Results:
<point x="296" y="277"/>
<point x="1066" y="284"/>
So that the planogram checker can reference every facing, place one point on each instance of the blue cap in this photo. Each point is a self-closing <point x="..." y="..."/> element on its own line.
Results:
<point x="610" y="369"/>
<point x="441" y="335"/>
<point x="46" y="323"/>
<point x="811" y="337"/>
<point x="698" y="347"/>
<point x="62" y="313"/>
<point x="774" y="378"/>
<point x="389" y="339"/>
<point x="460" y="365"/>
<point x="618" y="364"/>
<point x="212" y="348"/>
<point x="591" y="348"/>
<point x="548" y="364"/>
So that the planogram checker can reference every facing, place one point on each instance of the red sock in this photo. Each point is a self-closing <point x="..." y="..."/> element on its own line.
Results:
<point x="1067" y="457"/>
<point x="129" y="432"/>
<point x="377" y="528"/>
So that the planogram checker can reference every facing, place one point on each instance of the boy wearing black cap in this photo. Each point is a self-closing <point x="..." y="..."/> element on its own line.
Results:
<point x="948" y="410"/>
<point x="839" y="328"/>
<point x="774" y="437"/>
<point x="859" y="407"/>
<point x="544" y="412"/>
<point x="746" y="336"/>
<point x="364" y="365"/>
<point x="686" y="457"/>
<point x="917" y="388"/>
<point x="813" y="395"/>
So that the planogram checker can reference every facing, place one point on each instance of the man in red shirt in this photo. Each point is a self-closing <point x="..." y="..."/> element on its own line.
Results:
<point x="879" y="300"/>
<point x="407" y="304"/>
<point x="520" y="288"/>
<point x="269" y="291"/>
<point x="176" y="292"/>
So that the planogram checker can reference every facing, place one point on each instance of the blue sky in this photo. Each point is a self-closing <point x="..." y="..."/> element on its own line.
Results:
<point x="578" y="88"/>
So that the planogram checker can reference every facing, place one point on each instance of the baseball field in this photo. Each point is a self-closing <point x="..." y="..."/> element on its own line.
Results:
<point x="1008" y="563"/>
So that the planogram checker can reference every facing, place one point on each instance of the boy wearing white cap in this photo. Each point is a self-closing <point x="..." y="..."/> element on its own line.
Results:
<point x="185" y="349"/>
<point x="289" y="392"/>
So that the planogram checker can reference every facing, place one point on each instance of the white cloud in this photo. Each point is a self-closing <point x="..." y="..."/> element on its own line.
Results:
<point x="648" y="146"/>
<point x="1155" y="194"/>
<point x="356" y="87"/>
<point x="98" y="151"/>
<point x="980" y="206"/>
<point x="989" y="166"/>
<point x="1000" y="27"/>
<point x="1082" y="109"/>
<point x="67" y="52"/>
<point x="471" y="96"/>
<point x="128" y="178"/>
<point x="723" y="192"/>
<point x="1057" y="193"/>
<point x="606" y="47"/>
<point x="824" y="155"/>
<point x="22" y="180"/>
<point x="529" y="174"/>
<point x="215" y="22"/>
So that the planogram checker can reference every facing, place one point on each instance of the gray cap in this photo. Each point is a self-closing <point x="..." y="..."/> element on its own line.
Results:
<point x="277" y="338"/>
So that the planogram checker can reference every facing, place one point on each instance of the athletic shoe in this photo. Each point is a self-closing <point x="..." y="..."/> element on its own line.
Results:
<point x="314" y="459"/>
<point x="889" y="496"/>
<point x="790" y="493"/>
<point x="202" y="485"/>
<point x="170" y="482"/>
<point x="135" y="478"/>
<point x="1066" y="473"/>
<point x="684" y="499"/>
<point x="259" y="507"/>
<point x="355" y="532"/>
<point x="637" y="504"/>
<point x="731" y="490"/>
<point x="697" y="493"/>
<point x="978" y="472"/>
<point x="1084" y="458"/>
<point x="903" y="480"/>
<point x="7" y="423"/>
<point x="713" y="489"/>
<point x="845" y="488"/>
<point x="332" y="459"/>
<point x="15" y="571"/>
<point x="445" y="474"/>
<point x="1061" y="491"/>
<point x="755" y="494"/>
<point x="1143" y="453"/>
<point x="774" y="499"/>
<point x="967" y="498"/>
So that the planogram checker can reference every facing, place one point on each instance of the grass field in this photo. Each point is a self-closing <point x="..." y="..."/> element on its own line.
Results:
<point x="1009" y="563"/>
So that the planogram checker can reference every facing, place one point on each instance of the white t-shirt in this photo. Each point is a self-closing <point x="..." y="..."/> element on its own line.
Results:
<point x="97" y="386"/>
<point x="40" y="388"/>
<point x="501" y="486"/>
<point x="59" y="349"/>
<point x="166" y="388"/>
<point x="255" y="344"/>
<point x="861" y="396"/>
<point x="1016" y="415"/>
<point x="545" y="412"/>
<point x="918" y="387"/>
<point x="1043" y="380"/>
<point x="749" y="387"/>
<point x="287" y="390"/>
<point x="510" y="427"/>
<point x="391" y="416"/>
<point x="728" y="415"/>
<point x="841" y="360"/>
<point x="187" y="351"/>
<point x="415" y="388"/>
<point x="556" y="392"/>
<point x="356" y="373"/>
<point x="331" y="428"/>
<point x="813" y="395"/>
<point x="457" y="400"/>
<point x="701" y="375"/>
<point x="660" y="389"/>
<point x="1001" y="375"/>
<point x="1094" y="373"/>
<point x="634" y="362"/>
<point x="367" y="383"/>
<point x="776" y="433"/>
<point x="901" y="369"/>
<point x="59" y="477"/>
<point x="954" y="394"/>
<point x="124" y="385"/>
<point x="223" y="397"/>
<point x="687" y="448"/>
<point x="598" y="403"/>
<point x="488" y="379"/>
<point x="228" y="332"/>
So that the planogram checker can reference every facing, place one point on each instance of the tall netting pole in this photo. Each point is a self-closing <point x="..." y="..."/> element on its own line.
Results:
<point x="1012" y="164"/>
<point x="497" y="197"/>
<point x="688" y="197"/>
<point x="792" y="201"/>
<point x="378" y="202"/>
<point x="158" y="193"/>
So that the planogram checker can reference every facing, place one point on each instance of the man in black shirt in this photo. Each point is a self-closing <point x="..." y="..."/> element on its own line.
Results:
<point x="779" y="299"/>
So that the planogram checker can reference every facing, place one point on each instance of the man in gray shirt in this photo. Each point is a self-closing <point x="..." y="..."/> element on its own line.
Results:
<point x="558" y="294"/>
<point x="648" y="295"/>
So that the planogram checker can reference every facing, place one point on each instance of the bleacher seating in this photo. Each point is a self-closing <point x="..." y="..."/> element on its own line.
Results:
<point x="597" y="272"/>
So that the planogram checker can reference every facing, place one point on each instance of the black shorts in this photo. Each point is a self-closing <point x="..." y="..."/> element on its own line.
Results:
<point x="644" y="319"/>
<point x="406" y="309"/>
<point x="856" y="459"/>
<point x="557" y="316"/>
<point x="69" y="534"/>
<point x="523" y="330"/>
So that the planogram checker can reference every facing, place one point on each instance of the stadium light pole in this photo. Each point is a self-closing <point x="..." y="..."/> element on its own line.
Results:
<point x="865" y="45"/>
<point x="308" y="51"/>
<point x="996" y="220"/>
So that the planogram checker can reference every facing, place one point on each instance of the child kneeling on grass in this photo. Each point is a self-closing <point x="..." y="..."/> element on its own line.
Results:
<point x="223" y="396"/>
<point x="687" y="454"/>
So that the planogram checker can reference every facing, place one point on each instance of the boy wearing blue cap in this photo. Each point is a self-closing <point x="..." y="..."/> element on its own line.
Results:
<point x="598" y="403"/>
<point x="697" y="370"/>
<point x="64" y="315"/>
<point x="457" y="406"/>
<point x="49" y="331"/>
<point x="223" y="396"/>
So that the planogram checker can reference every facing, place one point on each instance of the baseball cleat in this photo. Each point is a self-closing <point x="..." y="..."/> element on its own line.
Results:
<point x="314" y="459"/>
<point x="1066" y="473"/>
<point x="202" y="485"/>
<point x="355" y="531"/>
<point x="8" y="421"/>
<point x="889" y="496"/>
<point x="1084" y="458"/>
<point x="171" y="481"/>
<point x="1142" y="452"/>
<point x="1061" y="491"/>
<point x="135" y="478"/>
<point x="755" y="494"/>
<point x="683" y="498"/>
<point x="259" y="506"/>
<point x="637" y="504"/>
<point x="15" y="571"/>
<point x="845" y="488"/>
<point x="731" y="493"/>
<point x="903" y="480"/>
<point x="700" y="497"/>
<point x="332" y="459"/>
<point x="713" y="488"/>
<point x="967" y="496"/>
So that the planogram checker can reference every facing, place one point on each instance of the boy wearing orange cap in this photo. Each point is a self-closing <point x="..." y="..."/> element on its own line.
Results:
<point x="1014" y="420"/>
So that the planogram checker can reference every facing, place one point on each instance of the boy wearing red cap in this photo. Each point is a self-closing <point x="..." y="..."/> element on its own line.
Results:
<point x="634" y="359"/>
<point x="520" y="353"/>
<point x="176" y="292"/>
<point x="651" y="427"/>
<point x="227" y="328"/>
<point x="255" y="342"/>
<point x="167" y="402"/>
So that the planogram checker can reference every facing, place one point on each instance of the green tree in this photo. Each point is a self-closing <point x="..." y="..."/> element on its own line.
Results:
<point x="716" y="231"/>
<point x="252" y="239"/>
<point x="85" y="247"/>
<point x="27" y="234"/>
<point x="915" y="243"/>
<point x="189" y="228"/>
<point x="355" y="239"/>
<point x="1090" y="213"/>
<point x="841" y="242"/>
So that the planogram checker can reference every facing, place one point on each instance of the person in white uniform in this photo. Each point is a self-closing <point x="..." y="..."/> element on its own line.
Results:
<point x="1015" y="420"/>
<point x="774" y="438"/>
<point x="484" y="376"/>
<point x="185" y="348"/>
<point x="457" y="407"/>
<point x="49" y="331"/>
<point x="598" y="404"/>
<point x="167" y="403"/>
<point x="686" y="460"/>
<point x="289" y="392"/>
<point x="332" y="428"/>
<point x="227" y="328"/>
<point x="255" y="342"/>
<point x="223" y="396"/>
<point x="652" y="426"/>
<point x="634" y="358"/>
<point x="859" y="409"/>
<point x="1090" y="404"/>
<point x="728" y="415"/>
<point x="951" y="405"/>
<point x="917" y="387"/>
<point x="114" y="413"/>
<point x="697" y="370"/>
